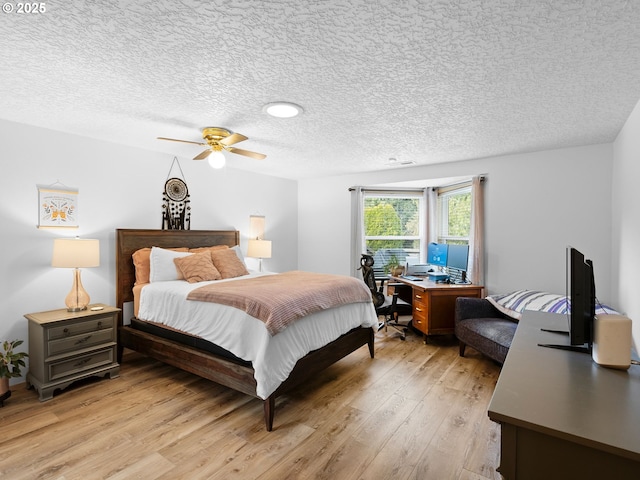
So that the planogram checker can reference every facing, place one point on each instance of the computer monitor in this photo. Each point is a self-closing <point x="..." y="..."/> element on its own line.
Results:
<point x="458" y="257"/>
<point x="437" y="254"/>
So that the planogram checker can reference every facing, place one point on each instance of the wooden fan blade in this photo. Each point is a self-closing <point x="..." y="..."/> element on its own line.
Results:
<point x="247" y="153"/>
<point x="233" y="138"/>
<point x="183" y="141"/>
<point x="203" y="155"/>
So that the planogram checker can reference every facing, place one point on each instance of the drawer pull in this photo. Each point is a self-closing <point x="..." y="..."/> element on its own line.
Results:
<point x="419" y="296"/>
<point x="66" y="332"/>
<point x="418" y="309"/>
<point x="99" y="325"/>
<point x="82" y="362"/>
<point x="83" y="340"/>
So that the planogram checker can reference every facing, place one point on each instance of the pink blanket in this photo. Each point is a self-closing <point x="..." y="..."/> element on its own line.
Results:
<point x="280" y="299"/>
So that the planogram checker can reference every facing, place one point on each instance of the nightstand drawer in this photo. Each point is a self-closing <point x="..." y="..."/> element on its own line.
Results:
<point x="73" y="344"/>
<point x="81" y="327"/>
<point x="81" y="363"/>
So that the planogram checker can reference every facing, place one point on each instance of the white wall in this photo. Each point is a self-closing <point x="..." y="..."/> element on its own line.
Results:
<point x="626" y="224"/>
<point x="536" y="205"/>
<point x="119" y="187"/>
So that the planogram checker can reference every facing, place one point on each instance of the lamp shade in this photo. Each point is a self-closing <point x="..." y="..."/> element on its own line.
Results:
<point x="259" y="249"/>
<point x="75" y="253"/>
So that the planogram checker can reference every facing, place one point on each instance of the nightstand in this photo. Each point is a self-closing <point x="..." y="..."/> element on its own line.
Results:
<point x="68" y="346"/>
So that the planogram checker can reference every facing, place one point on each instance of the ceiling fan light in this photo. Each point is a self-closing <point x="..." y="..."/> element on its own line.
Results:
<point x="283" y="109"/>
<point x="216" y="159"/>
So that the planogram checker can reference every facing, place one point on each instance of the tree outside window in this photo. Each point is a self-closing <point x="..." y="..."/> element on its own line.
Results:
<point x="454" y="215"/>
<point x="392" y="228"/>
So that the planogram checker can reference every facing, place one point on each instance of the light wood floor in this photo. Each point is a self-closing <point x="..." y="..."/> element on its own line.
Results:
<point x="414" y="412"/>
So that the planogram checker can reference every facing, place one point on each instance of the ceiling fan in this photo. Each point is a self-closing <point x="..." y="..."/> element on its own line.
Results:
<point x="219" y="139"/>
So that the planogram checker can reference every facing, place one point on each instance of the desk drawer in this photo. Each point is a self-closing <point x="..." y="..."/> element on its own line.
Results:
<point x="81" y="363"/>
<point x="420" y="312"/>
<point x="420" y="300"/>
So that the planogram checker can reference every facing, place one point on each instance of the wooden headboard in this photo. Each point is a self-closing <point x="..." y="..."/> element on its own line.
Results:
<point x="130" y="240"/>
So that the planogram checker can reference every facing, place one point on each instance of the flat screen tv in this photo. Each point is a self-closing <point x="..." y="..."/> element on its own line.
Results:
<point x="581" y="291"/>
<point x="437" y="254"/>
<point x="581" y="294"/>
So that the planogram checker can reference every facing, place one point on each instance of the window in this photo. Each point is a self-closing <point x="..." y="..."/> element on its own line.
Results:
<point x="393" y="222"/>
<point x="454" y="214"/>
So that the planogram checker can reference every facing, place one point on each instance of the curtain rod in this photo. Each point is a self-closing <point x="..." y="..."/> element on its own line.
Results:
<point x="390" y="189"/>
<point x="483" y="178"/>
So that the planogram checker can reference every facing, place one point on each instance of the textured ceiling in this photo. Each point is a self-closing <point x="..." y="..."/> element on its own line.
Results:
<point x="419" y="81"/>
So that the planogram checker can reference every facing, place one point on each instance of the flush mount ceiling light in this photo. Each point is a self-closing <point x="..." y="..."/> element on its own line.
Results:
<point x="282" y="109"/>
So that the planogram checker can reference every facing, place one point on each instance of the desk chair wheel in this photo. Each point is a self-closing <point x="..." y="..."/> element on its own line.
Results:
<point x="402" y="330"/>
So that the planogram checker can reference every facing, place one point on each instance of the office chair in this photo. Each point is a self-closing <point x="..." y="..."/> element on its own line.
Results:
<point x="386" y="306"/>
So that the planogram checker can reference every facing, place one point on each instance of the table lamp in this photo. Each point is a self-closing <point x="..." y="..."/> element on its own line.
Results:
<point x="76" y="253"/>
<point x="259" y="249"/>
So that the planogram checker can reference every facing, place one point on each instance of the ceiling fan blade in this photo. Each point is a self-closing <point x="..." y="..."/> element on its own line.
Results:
<point x="247" y="153"/>
<point x="203" y="155"/>
<point x="183" y="141"/>
<point x="233" y="138"/>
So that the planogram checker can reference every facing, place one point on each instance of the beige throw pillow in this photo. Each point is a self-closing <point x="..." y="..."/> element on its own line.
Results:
<point x="197" y="267"/>
<point x="207" y="249"/>
<point x="228" y="263"/>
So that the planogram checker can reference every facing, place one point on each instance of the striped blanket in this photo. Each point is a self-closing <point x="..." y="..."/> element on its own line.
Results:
<point x="514" y="303"/>
<point x="280" y="299"/>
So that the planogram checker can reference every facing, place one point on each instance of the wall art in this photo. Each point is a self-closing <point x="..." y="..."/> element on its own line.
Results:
<point x="57" y="206"/>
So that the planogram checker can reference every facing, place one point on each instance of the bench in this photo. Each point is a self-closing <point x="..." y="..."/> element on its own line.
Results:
<point x="480" y="325"/>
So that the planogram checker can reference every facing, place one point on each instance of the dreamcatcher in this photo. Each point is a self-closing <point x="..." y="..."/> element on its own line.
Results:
<point x="176" y="211"/>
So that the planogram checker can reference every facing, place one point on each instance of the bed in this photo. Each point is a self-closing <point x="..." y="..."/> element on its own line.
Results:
<point x="198" y="355"/>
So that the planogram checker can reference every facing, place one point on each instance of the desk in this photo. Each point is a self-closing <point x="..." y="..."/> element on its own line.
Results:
<point x="433" y="304"/>
<point x="562" y="415"/>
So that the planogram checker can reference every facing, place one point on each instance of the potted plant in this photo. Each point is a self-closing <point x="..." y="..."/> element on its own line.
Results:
<point x="10" y="363"/>
<point x="393" y="266"/>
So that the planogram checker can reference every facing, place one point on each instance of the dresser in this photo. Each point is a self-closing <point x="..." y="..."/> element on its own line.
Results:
<point x="433" y="304"/>
<point x="68" y="346"/>
<point x="561" y="414"/>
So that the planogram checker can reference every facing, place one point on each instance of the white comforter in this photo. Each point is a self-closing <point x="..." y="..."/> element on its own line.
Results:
<point x="273" y="357"/>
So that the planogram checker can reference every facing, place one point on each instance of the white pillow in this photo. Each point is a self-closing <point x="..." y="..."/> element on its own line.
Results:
<point x="161" y="265"/>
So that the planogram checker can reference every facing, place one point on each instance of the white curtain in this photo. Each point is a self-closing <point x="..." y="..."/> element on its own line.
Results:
<point x="358" y="245"/>
<point x="476" y="235"/>
<point x="432" y="215"/>
<point x="430" y="234"/>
